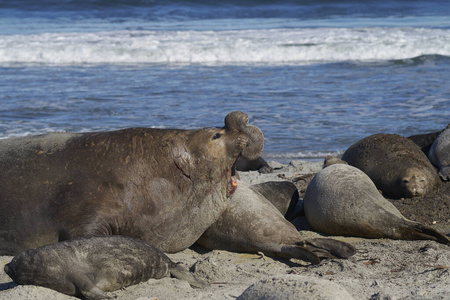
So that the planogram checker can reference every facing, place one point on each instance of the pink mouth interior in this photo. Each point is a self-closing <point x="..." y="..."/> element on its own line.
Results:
<point x="233" y="184"/>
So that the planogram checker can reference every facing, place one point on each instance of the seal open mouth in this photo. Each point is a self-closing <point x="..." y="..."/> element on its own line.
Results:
<point x="233" y="184"/>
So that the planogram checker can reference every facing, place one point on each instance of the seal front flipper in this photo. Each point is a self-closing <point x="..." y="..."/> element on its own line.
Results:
<point x="181" y="273"/>
<point x="86" y="287"/>
<point x="329" y="248"/>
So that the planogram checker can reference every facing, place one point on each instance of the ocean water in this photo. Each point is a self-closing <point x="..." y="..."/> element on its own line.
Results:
<point x="315" y="76"/>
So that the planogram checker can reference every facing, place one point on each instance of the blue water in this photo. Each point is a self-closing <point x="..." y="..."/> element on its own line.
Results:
<point x="315" y="76"/>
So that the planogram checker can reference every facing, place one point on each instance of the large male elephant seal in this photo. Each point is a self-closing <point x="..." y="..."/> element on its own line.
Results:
<point x="164" y="186"/>
<point x="92" y="266"/>
<point x="342" y="200"/>
<point x="252" y="224"/>
<point x="439" y="153"/>
<point x="395" y="164"/>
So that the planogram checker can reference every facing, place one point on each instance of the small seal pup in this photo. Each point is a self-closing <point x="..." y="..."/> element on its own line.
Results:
<point x="92" y="266"/>
<point x="439" y="154"/>
<point x="395" y="164"/>
<point x="342" y="200"/>
<point x="252" y="224"/>
<point x="164" y="186"/>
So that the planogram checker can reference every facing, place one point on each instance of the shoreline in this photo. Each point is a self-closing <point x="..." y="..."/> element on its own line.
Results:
<point x="381" y="268"/>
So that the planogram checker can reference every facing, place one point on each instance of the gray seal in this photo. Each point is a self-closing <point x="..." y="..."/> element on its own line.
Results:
<point x="342" y="200"/>
<point x="396" y="165"/>
<point x="90" y="267"/>
<point x="439" y="154"/>
<point x="282" y="194"/>
<point x="164" y="186"/>
<point x="252" y="224"/>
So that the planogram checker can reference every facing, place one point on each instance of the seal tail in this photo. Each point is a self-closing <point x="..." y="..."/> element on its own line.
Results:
<point x="421" y="232"/>
<point x="181" y="273"/>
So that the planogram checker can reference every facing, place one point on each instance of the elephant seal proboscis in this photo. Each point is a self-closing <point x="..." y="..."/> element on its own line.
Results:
<point x="92" y="266"/>
<point x="164" y="186"/>
<point x="252" y="224"/>
<point x="395" y="164"/>
<point x="439" y="154"/>
<point x="342" y="200"/>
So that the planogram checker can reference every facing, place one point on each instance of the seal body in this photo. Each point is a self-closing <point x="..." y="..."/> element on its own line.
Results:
<point x="343" y="200"/>
<point x="164" y="186"/>
<point x="282" y="194"/>
<point x="258" y="164"/>
<point x="396" y="165"/>
<point x="252" y="224"/>
<point x="439" y="154"/>
<point x="92" y="266"/>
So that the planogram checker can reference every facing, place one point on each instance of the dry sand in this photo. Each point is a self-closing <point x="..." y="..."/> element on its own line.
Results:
<point x="381" y="268"/>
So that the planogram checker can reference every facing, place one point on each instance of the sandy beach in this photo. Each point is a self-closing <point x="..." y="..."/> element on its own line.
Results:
<point x="381" y="268"/>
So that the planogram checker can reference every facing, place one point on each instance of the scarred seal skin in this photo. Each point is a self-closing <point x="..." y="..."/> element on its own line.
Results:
<point x="164" y="186"/>
<point x="343" y="200"/>
<point x="396" y="165"/>
<point x="90" y="267"/>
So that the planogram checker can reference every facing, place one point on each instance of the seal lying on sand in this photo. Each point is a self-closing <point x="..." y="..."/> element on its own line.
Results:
<point x="439" y="154"/>
<point x="92" y="266"/>
<point x="252" y="224"/>
<point x="258" y="164"/>
<point x="424" y="141"/>
<point x="395" y="164"/>
<point x="282" y="194"/>
<point x="164" y="186"/>
<point x="342" y="200"/>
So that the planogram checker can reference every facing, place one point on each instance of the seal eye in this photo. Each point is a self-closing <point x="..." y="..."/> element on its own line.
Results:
<point x="405" y="181"/>
<point x="216" y="136"/>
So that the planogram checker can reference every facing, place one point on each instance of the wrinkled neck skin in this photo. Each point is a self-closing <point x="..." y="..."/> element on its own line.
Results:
<point x="188" y="186"/>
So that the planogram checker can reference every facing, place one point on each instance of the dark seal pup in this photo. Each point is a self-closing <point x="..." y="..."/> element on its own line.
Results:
<point x="92" y="266"/>
<point x="164" y="186"/>
<point x="396" y="165"/>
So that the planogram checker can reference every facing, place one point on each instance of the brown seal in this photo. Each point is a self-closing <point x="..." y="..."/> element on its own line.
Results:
<point x="252" y="224"/>
<point x="164" y="186"/>
<point x="342" y="200"/>
<point x="92" y="266"/>
<point x="396" y="165"/>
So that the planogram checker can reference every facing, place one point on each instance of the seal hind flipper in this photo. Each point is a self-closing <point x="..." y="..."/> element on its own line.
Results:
<point x="329" y="248"/>
<point x="290" y="251"/>
<point x="181" y="273"/>
<point x="421" y="232"/>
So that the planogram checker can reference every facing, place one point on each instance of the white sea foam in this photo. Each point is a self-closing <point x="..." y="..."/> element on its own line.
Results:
<point x="276" y="46"/>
